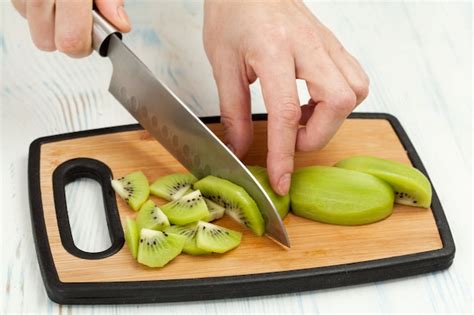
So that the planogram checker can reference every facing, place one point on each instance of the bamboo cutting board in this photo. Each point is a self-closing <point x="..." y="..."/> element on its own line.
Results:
<point x="410" y="241"/>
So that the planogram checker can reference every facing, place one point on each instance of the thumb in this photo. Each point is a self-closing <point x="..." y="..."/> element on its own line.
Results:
<point x="234" y="98"/>
<point x="114" y="12"/>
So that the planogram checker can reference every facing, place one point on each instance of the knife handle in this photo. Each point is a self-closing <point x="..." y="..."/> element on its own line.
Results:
<point x="101" y="32"/>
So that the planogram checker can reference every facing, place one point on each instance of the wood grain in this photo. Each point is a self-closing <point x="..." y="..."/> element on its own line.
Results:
<point x="409" y="230"/>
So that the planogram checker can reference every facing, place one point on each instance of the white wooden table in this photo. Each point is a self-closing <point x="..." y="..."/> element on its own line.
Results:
<point x="417" y="54"/>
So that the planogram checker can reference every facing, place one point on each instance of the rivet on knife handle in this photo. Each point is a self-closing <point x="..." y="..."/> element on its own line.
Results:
<point x="101" y="32"/>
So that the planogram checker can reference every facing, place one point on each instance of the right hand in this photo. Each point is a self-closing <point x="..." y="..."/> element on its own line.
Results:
<point x="66" y="25"/>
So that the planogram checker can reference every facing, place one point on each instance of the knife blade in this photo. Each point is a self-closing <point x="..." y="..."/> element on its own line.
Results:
<point x="175" y="126"/>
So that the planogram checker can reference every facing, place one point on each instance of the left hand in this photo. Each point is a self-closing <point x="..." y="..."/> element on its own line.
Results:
<point x="279" y="42"/>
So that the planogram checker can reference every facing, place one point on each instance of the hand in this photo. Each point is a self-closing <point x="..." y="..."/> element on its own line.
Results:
<point x="66" y="25"/>
<point x="279" y="42"/>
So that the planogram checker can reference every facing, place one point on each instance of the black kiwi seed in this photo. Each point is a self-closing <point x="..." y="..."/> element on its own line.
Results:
<point x="165" y="234"/>
<point x="414" y="201"/>
<point x="155" y="218"/>
<point x="141" y="240"/>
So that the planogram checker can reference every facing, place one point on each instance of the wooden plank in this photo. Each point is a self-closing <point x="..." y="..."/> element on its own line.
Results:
<point x="409" y="230"/>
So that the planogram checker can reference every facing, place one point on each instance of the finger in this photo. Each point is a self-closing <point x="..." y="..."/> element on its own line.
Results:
<point x="234" y="99"/>
<point x="114" y="12"/>
<point x="278" y="82"/>
<point x="20" y="6"/>
<point x="333" y="95"/>
<point x="352" y="71"/>
<point x="73" y="27"/>
<point x="40" y="15"/>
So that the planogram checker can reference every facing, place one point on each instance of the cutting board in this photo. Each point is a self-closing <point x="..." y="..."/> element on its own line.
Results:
<point x="411" y="241"/>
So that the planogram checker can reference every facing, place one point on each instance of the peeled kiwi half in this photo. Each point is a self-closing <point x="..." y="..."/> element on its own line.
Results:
<point x="282" y="203"/>
<point x="133" y="188"/>
<point x="156" y="248"/>
<point x="173" y="186"/>
<point x="237" y="202"/>
<point x="339" y="196"/>
<point x="411" y="187"/>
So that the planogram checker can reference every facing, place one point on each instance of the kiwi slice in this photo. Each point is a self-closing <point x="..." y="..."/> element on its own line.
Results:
<point x="151" y="217"/>
<point x="411" y="187"/>
<point x="173" y="187"/>
<point x="156" y="248"/>
<point x="131" y="236"/>
<point x="187" y="209"/>
<point x="216" y="239"/>
<point x="282" y="203"/>
<point x="237" y="202"/>
<point x="189" y="231"/>
<point x="339" y="196"/>
<point x="216" y="211"/>
<point x="133" y="188"/>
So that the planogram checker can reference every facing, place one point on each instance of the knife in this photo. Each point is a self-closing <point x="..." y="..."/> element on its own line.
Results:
<point x="174" y="125"/>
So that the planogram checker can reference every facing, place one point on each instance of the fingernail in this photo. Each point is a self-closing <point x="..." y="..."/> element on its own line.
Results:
<point x="284" y="184"/>
<point x="231" y="148"/>
<point x="123" y="14"/>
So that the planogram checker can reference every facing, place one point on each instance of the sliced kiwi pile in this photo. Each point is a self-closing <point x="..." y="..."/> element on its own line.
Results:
<point x="358" y="190"/>
<point x="151" y="238"/>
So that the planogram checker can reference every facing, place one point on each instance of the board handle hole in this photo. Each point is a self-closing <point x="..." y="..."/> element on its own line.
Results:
<point x="87" y="229"/>
<point x="87" y="215"/>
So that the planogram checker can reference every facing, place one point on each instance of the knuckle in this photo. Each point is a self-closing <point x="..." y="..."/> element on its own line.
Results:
<point x="344" y="102"/>
<point x="361" y="90"/>
<point x="71" y="44"/>
<point x="290" y="113"/>
<point x="227" y="121"/>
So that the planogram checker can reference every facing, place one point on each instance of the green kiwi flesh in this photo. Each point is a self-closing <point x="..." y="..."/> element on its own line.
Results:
<point x="131" y="234"/>
<point x="151" y="217"/>
<point x="189" y="208"/>
<point x="282" y="203"/>
<point x="411" y="187"/>
<point x="173" y="186"/>
<point x="339" y="196"/>
<point x="133" y="188"/>
<point x="216" y="211"/>
<point x="216" y="239"/>
<point x="156" y="248"/>
<point x="237" y="202"/>
<point x="189" y="231"/>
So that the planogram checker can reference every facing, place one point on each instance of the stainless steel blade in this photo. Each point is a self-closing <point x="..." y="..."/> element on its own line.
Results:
<point x="181" y="132"/>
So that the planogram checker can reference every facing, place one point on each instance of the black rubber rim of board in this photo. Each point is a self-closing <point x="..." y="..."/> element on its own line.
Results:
<point x="230" y="286"/>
